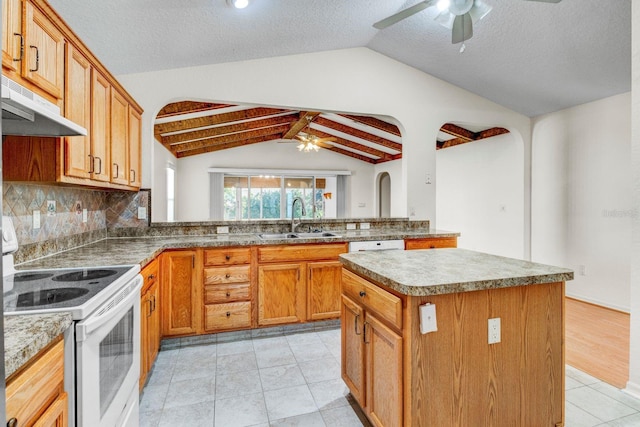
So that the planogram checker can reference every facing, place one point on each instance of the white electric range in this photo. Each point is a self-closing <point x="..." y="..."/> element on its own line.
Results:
<point x="102" y="349"/>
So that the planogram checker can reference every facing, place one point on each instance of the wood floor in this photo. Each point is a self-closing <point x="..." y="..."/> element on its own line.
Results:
<point x="597" y="341"/>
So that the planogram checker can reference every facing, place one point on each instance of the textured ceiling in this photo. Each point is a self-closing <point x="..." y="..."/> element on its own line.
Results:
<point x="531" y="57"/>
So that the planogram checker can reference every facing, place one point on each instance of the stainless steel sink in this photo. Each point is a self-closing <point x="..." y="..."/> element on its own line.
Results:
<point x="286" y="236"/>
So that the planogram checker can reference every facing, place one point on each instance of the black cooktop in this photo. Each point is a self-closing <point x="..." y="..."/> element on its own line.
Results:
<point x="57" y="289"/>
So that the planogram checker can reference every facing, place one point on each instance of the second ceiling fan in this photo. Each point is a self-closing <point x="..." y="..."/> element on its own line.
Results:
<point x="457" y="15"/>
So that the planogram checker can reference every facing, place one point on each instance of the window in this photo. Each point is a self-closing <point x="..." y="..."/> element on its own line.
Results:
<point x="271" y="196"/>
<point x="171" y="193"/>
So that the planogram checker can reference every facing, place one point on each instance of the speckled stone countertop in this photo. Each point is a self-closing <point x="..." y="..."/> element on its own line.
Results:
<point x="445" y="271"/>
<point x="141" y="250"/>
<point x="26" y="335"/>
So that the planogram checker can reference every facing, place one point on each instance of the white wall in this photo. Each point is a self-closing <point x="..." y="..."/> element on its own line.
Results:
<point x="161" y="158"/>
<point x="351" y="80"/>
<point x="480" y="193"/>
<point x="633" y="386"/>
<point x="398" y="198"/>
<point x="581" y="196"/>
<point x="193" y="179"/>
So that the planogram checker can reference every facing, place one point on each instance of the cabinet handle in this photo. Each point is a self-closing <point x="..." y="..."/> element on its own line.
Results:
<point x="228" y="294"/>
<point x="154" y="302"/>
<point x="117" y="170"/>
<point x="151" y="276"/>
<point x="363" y="294"/>
<point x="99" y="165"/>
<point x="133" y="175"/>
<point x="227" y="257"/>
<point x="92" y="168"/>
<point x="228" y="314"/>
<point x="150" y="307"/>
<point x="364" y="331"/>
<point x="21" y="47"/>
<point x="432" y="246"/>
<point x="193" y="261"/>
<point x="37" y="58"/>
<point x="226" y="276"/>
<point x="13" y="422"/>
<point x="356" y="325"/>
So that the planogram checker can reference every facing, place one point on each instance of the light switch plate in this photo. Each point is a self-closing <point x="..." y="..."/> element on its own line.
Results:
<point x="85" y="215"/>
<point x="364" y="226"/>
<point x="36" y="220"/>
<point x="142" y="212"/>
<point x="222" y="230"/>
<point x="351" y="226"/>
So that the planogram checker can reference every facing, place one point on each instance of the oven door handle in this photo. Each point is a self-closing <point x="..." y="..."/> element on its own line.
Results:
<point x="114" y="307"/>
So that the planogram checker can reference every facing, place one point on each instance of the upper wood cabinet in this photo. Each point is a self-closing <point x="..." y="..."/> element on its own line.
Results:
<point x="119" y="138"/>
<point x="43" y="62"/>
<point x="77" y="149"/>
<point x="135" y="147"/>
<point x="12" y="38"/>
<point x="100" y="127"/>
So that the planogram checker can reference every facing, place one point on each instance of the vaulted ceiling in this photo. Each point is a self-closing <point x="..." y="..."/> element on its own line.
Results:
<point x="528" y="56"/>
<point x="188" y="128"/>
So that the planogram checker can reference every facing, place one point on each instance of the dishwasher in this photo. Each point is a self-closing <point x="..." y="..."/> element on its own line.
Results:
<point x="375" y="245"/>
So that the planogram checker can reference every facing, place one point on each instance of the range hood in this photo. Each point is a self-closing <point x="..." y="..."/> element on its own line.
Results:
<point x="26" y="113"/>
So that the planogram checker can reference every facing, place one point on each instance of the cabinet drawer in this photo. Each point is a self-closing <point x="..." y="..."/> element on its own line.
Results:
<point x="215" y="276"/>
<point x="301" y="252"/>
<point x="227" y="256"/>
<point x="150" y="274"/>
<point x="382" y="303"/>
<point x="440" y="242"/>
<point x="226" y="293"/>
<point x="227" y="316"/>
<point x="36" y="387"/>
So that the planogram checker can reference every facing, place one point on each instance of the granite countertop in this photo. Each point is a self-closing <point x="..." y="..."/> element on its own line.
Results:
<point x="142" y="250"/>
<point x="444" y="271"/>
<point x="26" y="335"/>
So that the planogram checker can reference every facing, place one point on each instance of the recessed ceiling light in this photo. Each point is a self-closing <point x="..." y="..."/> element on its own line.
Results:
<point x="238" y="4"/>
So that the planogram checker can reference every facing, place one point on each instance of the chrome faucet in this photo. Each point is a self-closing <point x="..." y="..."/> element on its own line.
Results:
<point x="293" y="212"/>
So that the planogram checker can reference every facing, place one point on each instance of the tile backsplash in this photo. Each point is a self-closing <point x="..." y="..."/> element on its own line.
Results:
<point x="63" y="227"/>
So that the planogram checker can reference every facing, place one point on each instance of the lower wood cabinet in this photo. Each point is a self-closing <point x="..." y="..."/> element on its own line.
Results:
<point x="150" y="319"/>
<point x="281" y="294"/>
<point x="35" y="396"/>
<point x="180" y="293"/>
<point x="323" y="290"/>
<point x="431" y="243"/>
<point x="372" y="353"/>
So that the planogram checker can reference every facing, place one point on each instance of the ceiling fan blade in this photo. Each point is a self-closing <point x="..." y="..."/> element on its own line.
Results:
<point x="479" y="10"/>
<point x="462" y="29"/>
<point x="327" y="139"/>
<point x="403" y="14"/>
<point x="546" y="1"/>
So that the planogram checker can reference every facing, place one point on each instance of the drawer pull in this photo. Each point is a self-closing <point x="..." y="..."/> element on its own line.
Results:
<point x="13" y="422"/>
<point x="151" y="276"/>
<point x="363" y="294"/>
<point x="356" y="325"/>
<point x="228" y="314"/>
<point x="227" y="257"/>
<point x="228" y="294"/>
<point x="227" y="275"/>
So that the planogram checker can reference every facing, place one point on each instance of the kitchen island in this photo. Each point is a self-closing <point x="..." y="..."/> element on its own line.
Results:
<point x="452" y="375"/>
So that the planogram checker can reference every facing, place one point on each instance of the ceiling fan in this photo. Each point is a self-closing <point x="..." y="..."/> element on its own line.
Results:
<point x="457" y="15"/>
<point x="306" y="140"/>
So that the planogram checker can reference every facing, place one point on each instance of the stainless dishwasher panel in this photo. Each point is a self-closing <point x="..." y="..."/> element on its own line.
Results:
<point x="375" y="245"/>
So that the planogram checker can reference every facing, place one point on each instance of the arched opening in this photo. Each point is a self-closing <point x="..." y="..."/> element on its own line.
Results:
<point x="384" y="195"/>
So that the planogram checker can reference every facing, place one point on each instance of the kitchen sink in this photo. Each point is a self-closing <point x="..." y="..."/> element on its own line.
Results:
<point x="281" y="236"/>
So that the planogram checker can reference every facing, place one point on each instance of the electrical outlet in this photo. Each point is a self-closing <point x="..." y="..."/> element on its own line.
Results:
<point x="142" y="212"/>
<point x="85" y="215"/>
<point x="222" y="230"/>
<point x="494" y="330"/>
<point x="364" y="226"/>
<point x="351" y="226"/>
<point x="36" y="220"/>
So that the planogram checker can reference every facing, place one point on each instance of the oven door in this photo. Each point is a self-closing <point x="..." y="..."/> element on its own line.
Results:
<point x="108" y="359"/>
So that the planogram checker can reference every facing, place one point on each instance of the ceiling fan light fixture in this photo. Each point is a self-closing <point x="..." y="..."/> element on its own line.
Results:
<point x="238" y="4"/>
<point x="443" y="5"/>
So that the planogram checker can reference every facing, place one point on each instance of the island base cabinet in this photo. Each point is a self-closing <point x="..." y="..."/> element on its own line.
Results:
<point x="455" y="378"/>
<point x="352" y="355"/>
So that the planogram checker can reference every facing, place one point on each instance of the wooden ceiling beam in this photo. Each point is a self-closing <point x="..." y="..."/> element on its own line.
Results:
<point x="358" y="133"/>
<point x="187" y="107"/>
<point x="476" y="136"/>
<point x="227" y="145"/>
<point x="306" y="117"/>
<point x="488" y="133"/>
<point x="348" y="153"/>
<point x="228" y="129"/>
<point x="352" y="145"/>
<point x="375" y="123"/>
<point x="216" y="119"/>
<point x="458" y="132"/>
<point x="274" y="133"/>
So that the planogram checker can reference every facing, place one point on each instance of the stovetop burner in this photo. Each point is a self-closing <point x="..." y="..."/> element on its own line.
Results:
<point x="49" y="296"/>
<point x="27" y="277"/>
<point x="76" y="276"/>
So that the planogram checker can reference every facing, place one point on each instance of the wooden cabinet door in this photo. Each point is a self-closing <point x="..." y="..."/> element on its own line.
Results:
<point x="384" y="373"/>
<point x="352" y="353"/>
<point x="44" y="52"/>
<point x="135" y="148"/>
<point x="145" y="312"/>
<point x="323" y="291"/>
<point x="180" y="304"/>
<point x="56" y="415"/>
<point x="12" y="40"/>
<point x="153" y="326"/>
<point x="281" y="294"/>
<point x="77" y="107"/>
<point x="119" y="139"/>
<point x="100" y="126"/>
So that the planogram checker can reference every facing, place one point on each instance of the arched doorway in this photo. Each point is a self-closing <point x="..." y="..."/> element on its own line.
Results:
<point x="384" y="195"/>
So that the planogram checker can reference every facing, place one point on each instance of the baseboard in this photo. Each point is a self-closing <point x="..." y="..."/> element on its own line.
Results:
<point x="632" y="389"/>
<point x="626" y="310"/>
